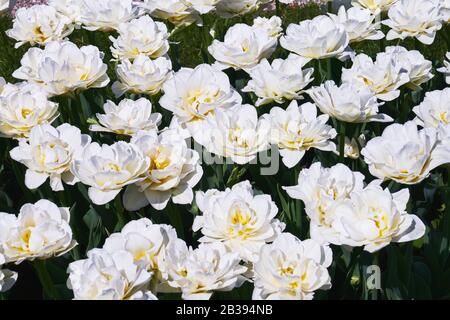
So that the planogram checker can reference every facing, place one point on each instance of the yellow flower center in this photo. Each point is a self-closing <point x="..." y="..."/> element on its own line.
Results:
<point x="113" y="167"/>
<point x="26" y="112"/>
<point x="84" y="76"/>
<point x="443" y="117"/>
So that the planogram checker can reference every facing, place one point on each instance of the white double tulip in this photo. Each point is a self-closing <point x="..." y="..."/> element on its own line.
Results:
<point x="177" y="12"/>
<point x="418" y="68"/>
<point x="291" y="269"/>
<point x="39" y="24"/>
<point x="69" y="8"/>
<point x="140" y="36"/>
<point x="280" y="81"/>
<point x="383" y="77"/>
<point x="434" y="109"/>
<point x="4" y="6"/>
<point x="376" y="6"/>
<point x="23" y="107"/>
<point x="446" y="68"/>
<point x="352" y="146"/>
<point x="49" y="153"/>
<point x="106" y="15"/>
<point x="320" y="189"/>
<point x="145" y="241"/>
<point x="2" y="85"/>
<point x="360" y="24"/>
<point x="242" y="221"/>
<point x="142" y="76"/>
<point x="40" y="231"/>
<point x="109" y="276"/>
<point x="233" y="8"/>
<point x="62" y="67"/>
<point x="297" y="130"/>
<point x="405" y="154"/>
<point x="272" y="25"/>
<point x="173" y="170"/>
<point x="193" y="94"/>
<point x="319" y="38"/>
<point x="420" y="19"/>
<point x="348" y="102"/>
<point x="236" y="134"/>
<point x="127" y="118"/>
<point x="198" y="273"/>
<point x="243" y="47"/>
<point x="107" y="169"/>
<point x="202" y="6"/>
<point x="445" y="10"/>
<point x="374" y="217"/>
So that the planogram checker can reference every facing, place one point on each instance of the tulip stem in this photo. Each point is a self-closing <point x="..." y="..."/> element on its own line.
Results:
<point x="342" y="142"/>
<point x="175" y="219"/>
<point x="119" y="213"/>
<point x="45" y="279"/>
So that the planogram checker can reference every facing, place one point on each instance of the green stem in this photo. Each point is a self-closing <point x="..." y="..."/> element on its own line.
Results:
<point x="119" y="214"/>
<point x="205" y="39"/>
<point x="176" y="219"/>
<point x="45" y="279"/>
<point x="342" y="142"/>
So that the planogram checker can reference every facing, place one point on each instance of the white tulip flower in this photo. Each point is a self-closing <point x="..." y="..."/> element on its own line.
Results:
<point x="418" y="68"/>
<point x="49" y="153"/>
<point x="7" y="277"/>
<point x="39" y="24"/>
<point x="446" y="68"/>
<point x="376" y="6"/>
<point x="173" y="170"/>
<point x="420" y="19"/>
<point x="243" y="47"/>
<point x="24" y="107"/>
<point x="374" y="217"/>
<point x="145" y="241"/>
<point x="2" y="85"/>
<point x="69" y="8"/>
<point x="352" y="147"/>
<point x="319" y="38"/>
<point x="142" y="76"/>
<point x="320" y="188"/>
<point x="4" y="6"/>
<point x="40" y="231"/>
<point x="106" y="15"/>
<point x="193" y="94"/>
<point x="198" y="273"/>
<point x="434" y="109"/>
<point x="202" y="6"/>
<point x="236" y="134"/>
<point x="280" y="81"/>
<point x="404" y="153"/>
<point x="109" y="276"/>
<point x="445" y="10"/>
<point x="127" y="118"/>
<point x="232" y="8"/>
<point x="140" y="36"/>
<point x="360" y="24"/>
<point x="177" y="12"/>
<point x="62" y="67"/>
<point x="349" y="102"/>
<point x="291" y="269"/>
<point x="384" y="76"/>
<point x="107" y="169"/>
<point x="242" y="221"/>
<point x="271" y="25"/>
<point x="298" y="129"/>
